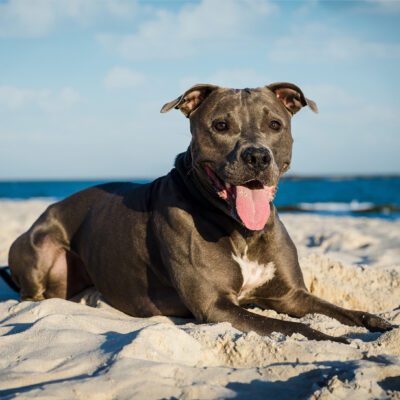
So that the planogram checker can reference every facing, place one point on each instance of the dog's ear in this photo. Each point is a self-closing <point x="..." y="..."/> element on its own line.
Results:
<point x="292" y="97"/>
<point x="191" y="99"/>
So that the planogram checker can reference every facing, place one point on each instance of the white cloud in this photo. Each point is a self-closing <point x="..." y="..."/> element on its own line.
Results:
<point x="331" y="96"/>
<point x="383" y="6"/>
<point x="14" y="98"/>
<point x="351" y="107"/>
<point x="235" y="78"/>
<point x="316" y="43"/>
<point x="122" y="77"/>
<point x="169" y="35"/>
<point x="35" y="18"/>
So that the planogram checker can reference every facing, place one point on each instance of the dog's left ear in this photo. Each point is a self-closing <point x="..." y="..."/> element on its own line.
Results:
<point x="292" y="97"/>
<point x="191" y="99"/>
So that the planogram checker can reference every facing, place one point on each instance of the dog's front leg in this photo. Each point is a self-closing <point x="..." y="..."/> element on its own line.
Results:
<point x="224" y="310"/>
<point x="300" y="302"/>
<point x="294" y="299"/>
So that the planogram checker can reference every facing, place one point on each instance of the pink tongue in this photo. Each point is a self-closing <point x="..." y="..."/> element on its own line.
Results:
<point x="252" y="206"/>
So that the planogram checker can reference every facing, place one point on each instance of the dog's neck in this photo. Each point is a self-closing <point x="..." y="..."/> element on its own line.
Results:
<point x="196" y="186"/>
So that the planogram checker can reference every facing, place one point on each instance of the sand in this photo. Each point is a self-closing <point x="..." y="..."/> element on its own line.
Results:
<point x="58" y="349"/>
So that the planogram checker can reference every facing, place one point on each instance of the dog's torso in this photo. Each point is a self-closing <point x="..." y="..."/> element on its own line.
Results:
<point x="145" y="239"/>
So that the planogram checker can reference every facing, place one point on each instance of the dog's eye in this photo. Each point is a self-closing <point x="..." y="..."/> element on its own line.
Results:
<point x="275" y="125"/>
<point x="220" y="126"/>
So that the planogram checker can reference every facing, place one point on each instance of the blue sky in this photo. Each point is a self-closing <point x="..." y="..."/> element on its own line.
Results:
<point x="82" y="81"/>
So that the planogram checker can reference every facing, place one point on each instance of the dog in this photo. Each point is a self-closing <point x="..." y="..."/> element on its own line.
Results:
<point x="203" y="241"/>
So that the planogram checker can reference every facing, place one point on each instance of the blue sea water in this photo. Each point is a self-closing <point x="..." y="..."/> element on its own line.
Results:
<point x="359" y="196"/>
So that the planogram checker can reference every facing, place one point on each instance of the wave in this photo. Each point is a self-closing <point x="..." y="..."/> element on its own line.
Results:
<point x="338" y="208"/>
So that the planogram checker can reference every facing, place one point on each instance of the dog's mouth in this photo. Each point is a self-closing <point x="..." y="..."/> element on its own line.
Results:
<point x="250" y="201"/>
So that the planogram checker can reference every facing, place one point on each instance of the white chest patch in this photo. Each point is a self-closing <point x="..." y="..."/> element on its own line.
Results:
<point x="254" y="274"/>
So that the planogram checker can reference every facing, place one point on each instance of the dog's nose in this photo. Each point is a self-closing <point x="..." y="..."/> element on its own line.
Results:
<point x="257" y="158"/>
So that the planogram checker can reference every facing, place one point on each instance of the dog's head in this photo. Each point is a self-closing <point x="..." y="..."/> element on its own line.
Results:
<point x="242" y="142"/>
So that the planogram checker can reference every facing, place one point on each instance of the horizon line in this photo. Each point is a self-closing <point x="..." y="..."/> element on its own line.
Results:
<point x="293" y="176"/>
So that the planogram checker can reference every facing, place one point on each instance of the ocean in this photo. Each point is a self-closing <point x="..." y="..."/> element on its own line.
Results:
<point x="377" y="196"/>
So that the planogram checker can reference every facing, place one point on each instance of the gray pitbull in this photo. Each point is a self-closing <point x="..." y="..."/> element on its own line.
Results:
<point x="202" y="241"/>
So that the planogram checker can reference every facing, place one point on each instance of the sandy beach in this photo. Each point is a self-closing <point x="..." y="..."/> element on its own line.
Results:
<point x="57" y="349"/>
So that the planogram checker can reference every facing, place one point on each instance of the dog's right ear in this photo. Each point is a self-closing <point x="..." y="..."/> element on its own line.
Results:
<point x="190" y="100"/>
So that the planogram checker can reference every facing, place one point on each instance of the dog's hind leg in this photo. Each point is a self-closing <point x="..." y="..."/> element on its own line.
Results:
<point x="27" y="270"/>
<point x="42" y="263"/>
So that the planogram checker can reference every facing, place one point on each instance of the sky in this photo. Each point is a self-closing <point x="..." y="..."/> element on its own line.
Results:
<point x="82" y="81"/>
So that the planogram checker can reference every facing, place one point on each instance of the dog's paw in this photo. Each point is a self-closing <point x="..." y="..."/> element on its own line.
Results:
<point x="374" y="323"/>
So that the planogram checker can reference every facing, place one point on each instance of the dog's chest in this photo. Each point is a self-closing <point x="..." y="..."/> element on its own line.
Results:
<point x="254" y="273"/>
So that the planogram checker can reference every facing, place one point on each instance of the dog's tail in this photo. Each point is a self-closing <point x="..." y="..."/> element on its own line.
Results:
<point x="5" y="274"/>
